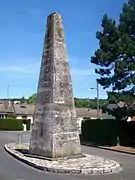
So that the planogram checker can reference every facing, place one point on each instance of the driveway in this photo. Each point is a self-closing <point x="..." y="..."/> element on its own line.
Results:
<point x="12" y="169"/>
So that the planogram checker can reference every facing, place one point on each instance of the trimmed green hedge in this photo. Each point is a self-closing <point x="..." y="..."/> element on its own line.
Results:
<point x="102" y="132"/>
<point x="107" y="132"/>
<point x="13" y="124"/>
<point x="27" y="122"/>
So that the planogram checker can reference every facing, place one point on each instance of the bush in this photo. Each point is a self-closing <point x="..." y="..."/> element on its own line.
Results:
<point x="11" y="116"/>
<point x="106" y="132"/>
<point x="127" y="133"/>
<point x="13" y="124"/>
<point x="27" y="122"/>
<point x="102" y="132"/>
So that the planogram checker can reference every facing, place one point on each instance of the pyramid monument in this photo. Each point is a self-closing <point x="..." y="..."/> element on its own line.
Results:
<point x="55" y="132"/>
<point x="54" y="143"/>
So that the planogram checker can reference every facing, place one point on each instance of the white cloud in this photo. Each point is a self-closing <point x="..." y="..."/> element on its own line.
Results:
<point x="33" y="69"/>
<point x="26" y="70"/>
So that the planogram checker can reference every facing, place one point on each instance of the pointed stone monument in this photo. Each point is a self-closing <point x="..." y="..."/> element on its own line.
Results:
<point x="55" y="133"/>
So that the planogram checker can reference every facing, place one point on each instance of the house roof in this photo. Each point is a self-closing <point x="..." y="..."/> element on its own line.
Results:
<point x="5" y="108"/>
<point x="27" y="109"/>
<point x="24" y="109"/>
<point x="107" y="116"/>
<point x="85" y="112"/>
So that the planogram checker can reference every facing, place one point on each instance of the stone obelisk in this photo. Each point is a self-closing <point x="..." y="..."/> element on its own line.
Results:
<point x="55" y="133"/>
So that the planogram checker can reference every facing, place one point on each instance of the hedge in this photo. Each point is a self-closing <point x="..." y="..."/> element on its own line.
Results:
<point x="27" y="122"/>
<point x="127" y="133"/>
<point x="107" y="132"/>
<point x="102" y="132"/>
<point x="13" y="124"/>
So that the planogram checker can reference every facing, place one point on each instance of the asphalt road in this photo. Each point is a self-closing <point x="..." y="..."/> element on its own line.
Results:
<point x="12" y="169"/>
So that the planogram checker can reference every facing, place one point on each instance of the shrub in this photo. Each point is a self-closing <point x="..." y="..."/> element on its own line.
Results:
<point x="27" y="122"/>
<point x="14" y="124"/>
<point x="11" y="116"/>
<point x="102" y="132"/>
<point x="11" y="125"/>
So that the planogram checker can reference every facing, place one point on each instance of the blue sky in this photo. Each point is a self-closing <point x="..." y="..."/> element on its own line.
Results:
<point x="22" y="32"/>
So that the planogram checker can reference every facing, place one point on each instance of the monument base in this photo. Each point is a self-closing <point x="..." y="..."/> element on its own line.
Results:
<point x="54" y="159"/>
<point x="87" y="165"/>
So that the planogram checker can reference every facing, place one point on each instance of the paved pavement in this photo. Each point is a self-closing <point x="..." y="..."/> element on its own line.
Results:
<point x="12" y="169"/>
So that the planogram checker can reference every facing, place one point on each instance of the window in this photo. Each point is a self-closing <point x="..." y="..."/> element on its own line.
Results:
<point x="23" y="106"/>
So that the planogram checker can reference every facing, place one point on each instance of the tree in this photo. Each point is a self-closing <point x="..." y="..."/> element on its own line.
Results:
<point x="22" y="100"/>
<point x="32" y="99"/>
<point x="115" y="56"/>
<point x="80" y="103"/>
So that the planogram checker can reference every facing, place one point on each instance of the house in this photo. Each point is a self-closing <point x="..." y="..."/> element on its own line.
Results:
<point x="5" y="109"/>
<point x="83" y="113"/>
<point x="24" y="111"/>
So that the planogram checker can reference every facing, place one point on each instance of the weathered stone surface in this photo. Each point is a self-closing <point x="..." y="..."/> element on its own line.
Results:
<point x="86" y="165"/>
<point x="55" y="132"/>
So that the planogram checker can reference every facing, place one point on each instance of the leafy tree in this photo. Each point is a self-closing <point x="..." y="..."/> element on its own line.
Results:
<point x="23" y="100"/>
<point x="80" y="103"/>
<point x="116" y="57"/>
<point x="32" y="99"/>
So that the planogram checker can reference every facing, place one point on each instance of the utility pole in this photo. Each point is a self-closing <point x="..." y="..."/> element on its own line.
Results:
<point x="8" y="92"/>
<point x="98" y="101"/>
<point x="97" y="90"/>
<point x="8" y="89"/>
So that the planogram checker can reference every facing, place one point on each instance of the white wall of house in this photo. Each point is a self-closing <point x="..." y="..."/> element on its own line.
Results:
<point x="79" y="123"/>
<point x="19" y="117"/>
<point x="27" y="117"/>
<point x="16" y="102"/>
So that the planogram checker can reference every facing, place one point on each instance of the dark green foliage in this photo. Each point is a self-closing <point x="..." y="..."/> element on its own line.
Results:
<point x="116" y="55"/>
<point x="13" y="124"/>
<point x="23" y="100"/>
<point x="32" y="99"/>
<point x="127" y="133"/>
<point x="87" y="103"/>
<point x="11" y="116"/>
<point x="121" y="112"/>
<point x="102" y="132"/>
<point x="121" y="96"/>
<point x="27" y="122"/>
<point x="107" y="132"/>
<point x="80" y="103"/>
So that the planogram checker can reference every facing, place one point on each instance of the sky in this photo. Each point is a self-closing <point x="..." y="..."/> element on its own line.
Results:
<point x="22" y="29"/>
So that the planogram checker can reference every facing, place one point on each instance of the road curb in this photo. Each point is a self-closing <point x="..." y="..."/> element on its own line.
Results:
<point x="108" y="149"/>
